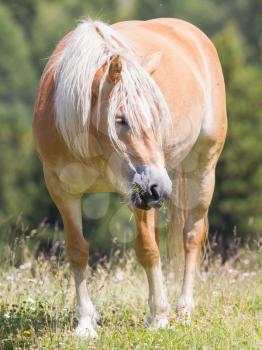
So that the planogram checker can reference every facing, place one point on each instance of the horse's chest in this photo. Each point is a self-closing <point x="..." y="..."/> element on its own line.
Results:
<point x="77" y="178"/>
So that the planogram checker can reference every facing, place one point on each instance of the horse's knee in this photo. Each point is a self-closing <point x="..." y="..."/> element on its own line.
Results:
<point x="194" y="236"/>
<point x="147" y="252"/>
<point x="78" y="254"/>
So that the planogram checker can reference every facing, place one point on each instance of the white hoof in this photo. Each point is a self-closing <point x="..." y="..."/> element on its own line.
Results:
<point x="85" y="329"/>
<point x="158" y="322"/>
<point x="184" y="309"/>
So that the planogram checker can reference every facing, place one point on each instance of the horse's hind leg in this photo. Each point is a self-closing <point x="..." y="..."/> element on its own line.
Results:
<point x="199" y="187"/>
<point x="69" y="207"/>
<point x="147" y="252"/>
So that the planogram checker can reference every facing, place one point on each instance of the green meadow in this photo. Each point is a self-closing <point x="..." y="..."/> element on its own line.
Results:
<point x="37" y="307"/>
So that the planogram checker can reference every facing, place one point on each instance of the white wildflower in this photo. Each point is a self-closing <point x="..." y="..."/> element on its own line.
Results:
<point x="245" y="274"/>
<point x="26" y="266"/>
<point x="30" y="300"/>
<point x="119" y="276"/>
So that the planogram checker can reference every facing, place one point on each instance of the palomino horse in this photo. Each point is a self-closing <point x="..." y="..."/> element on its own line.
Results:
<point x="136" y="108"/>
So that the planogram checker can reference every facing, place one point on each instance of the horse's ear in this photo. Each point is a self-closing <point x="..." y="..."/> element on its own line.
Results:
<point x="96" y="83"/>
<point x="115" y="69"/>
<point x="152" y="62"/>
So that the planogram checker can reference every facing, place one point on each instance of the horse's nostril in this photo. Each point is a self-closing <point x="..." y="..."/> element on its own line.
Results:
<point x="154" y="192"/>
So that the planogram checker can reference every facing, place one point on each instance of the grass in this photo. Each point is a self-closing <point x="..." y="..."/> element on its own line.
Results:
<point x="37" y="307"/>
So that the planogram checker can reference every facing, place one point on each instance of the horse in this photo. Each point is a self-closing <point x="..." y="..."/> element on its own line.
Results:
<point x="137" y="108"/>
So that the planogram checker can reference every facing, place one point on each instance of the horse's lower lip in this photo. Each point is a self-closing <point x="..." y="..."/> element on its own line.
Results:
<point x="139" y="202"/>
<point x="141" y="206"/>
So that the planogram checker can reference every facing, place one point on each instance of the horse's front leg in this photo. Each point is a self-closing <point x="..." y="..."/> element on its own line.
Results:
<point x="147" y="252"/>
<point x="69" y="207"/>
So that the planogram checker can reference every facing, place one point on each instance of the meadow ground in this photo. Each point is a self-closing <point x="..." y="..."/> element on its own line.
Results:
<point x="37" y="307"/>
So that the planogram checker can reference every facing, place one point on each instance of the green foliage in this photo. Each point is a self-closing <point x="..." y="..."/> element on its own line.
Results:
<point x="147" y="9"/>
<point x="239" y="181"/>
<point x="16" y="94"/>
<point x="247" y="16"/>
<point x="197" y="12"/>
<point x="17" y="80"/>
<point x="23" y="12"/>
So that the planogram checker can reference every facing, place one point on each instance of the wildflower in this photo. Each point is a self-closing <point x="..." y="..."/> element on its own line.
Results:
<point x="26" y="266"/>
<point x="231" y="270"/>
<point x="7" y="315"/>
<point x="30" y="300"/>
<point x="27" y="332"/>
<point x="10" y="277"/>
<point x="245" y="274"/>
<point x="204" y="322"/>
<point x="246" y="261"/>
<point x="119" y="276"/>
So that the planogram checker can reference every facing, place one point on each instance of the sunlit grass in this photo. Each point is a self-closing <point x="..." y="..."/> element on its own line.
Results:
<point x="37" y="307"/>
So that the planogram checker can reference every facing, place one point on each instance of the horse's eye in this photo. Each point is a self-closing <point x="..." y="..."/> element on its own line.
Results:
<point x="121" y="120"/>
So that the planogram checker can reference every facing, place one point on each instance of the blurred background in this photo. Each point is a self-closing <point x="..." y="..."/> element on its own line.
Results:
<point x="29" y="32"/>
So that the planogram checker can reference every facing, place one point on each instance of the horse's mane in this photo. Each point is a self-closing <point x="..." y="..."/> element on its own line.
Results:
<point x="91" y="46"/>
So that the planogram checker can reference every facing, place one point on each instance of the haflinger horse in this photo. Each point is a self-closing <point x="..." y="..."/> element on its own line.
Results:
<point x="137" y="108"/>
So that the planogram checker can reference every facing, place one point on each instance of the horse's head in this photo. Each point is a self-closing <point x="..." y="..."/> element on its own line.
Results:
<point x="131" y="130"/>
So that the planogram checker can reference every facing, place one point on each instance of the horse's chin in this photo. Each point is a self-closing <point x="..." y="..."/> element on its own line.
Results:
<point x="141" y="206"/>
<point x="138" y="202"/>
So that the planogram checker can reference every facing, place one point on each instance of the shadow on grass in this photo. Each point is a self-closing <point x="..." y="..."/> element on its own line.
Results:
<point x="21" y="325"/>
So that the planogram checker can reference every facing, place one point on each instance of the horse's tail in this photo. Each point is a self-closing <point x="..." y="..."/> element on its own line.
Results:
<point x="177" y="212"/>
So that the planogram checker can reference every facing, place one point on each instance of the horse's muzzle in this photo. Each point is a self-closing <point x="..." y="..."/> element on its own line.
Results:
<point x="150" y="188"/>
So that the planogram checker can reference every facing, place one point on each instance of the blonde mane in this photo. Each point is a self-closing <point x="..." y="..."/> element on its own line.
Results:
<point x="91" y="46"/>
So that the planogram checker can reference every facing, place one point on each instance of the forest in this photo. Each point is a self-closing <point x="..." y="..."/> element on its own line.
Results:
<point x="29" y="32"/>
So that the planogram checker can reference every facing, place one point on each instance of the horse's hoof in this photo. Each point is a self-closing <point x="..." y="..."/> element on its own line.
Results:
<point x="85" y="329"/>
<point x="184" y="309"/>
<point x="157" y="323"/>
